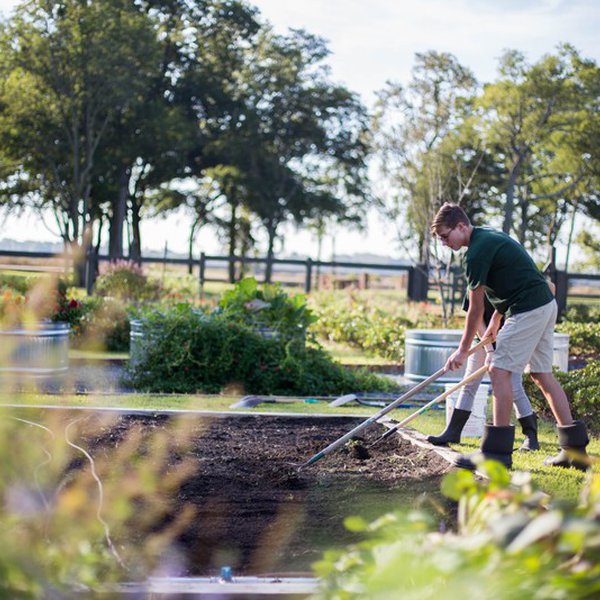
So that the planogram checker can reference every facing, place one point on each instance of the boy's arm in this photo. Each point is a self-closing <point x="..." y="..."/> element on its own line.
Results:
<point x="473" y="321"/>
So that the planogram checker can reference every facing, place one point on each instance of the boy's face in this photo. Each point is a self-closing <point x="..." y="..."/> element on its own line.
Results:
<point x="453" y="237"/>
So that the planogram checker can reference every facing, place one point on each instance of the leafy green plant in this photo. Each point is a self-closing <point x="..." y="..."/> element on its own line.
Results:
<point x="16" y="283"/>
<point x="582" y="313"/>
<point x="511" y="542"/>
<point x="185" y="350"/>
<point x="266" y="307"/>
<point x="104" y="325"/>
<point x="125" y="280"/>
<point x="584" y="337"/>
<point x="582" y="387"/>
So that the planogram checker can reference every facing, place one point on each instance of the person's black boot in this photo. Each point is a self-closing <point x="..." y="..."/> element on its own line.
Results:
<point x="529" y="427"/>
<point x="497" y="444"/>
<point x="572" y="440"/>
<point x="451" y="435"/>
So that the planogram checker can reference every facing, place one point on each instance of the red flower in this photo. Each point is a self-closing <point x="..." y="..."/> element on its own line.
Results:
<point x="73" y="303"/>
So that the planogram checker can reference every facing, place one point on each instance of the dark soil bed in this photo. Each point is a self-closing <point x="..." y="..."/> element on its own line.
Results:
<point x="253" y="510"/>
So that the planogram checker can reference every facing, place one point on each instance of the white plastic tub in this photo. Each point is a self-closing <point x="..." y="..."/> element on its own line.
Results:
<point x="476" y="422"/>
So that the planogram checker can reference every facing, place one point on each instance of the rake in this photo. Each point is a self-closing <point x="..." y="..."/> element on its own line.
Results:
<point x="427" y="406"/>
<point x="373" y="419"/>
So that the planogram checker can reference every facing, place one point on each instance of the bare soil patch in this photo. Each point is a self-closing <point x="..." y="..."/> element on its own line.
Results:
<point x="254" y="511"/>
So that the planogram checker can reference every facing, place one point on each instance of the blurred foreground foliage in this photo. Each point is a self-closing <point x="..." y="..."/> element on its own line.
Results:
<point x="512" y="542"/>
<point x="76" y="518"/>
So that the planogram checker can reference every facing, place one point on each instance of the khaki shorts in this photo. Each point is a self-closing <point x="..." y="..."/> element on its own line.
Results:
<point x="527" y="339"/>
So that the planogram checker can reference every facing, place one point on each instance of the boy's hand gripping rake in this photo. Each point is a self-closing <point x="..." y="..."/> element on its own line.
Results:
<point x="373" y="419"/>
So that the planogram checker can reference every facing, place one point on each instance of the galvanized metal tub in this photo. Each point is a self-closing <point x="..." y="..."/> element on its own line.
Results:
<point x="426" y="351"/>
<point x="41" y="353"/>
<point x="136" y="341"/>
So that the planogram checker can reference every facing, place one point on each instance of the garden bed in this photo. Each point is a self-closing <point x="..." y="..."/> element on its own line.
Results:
<point x="254" y="511"/>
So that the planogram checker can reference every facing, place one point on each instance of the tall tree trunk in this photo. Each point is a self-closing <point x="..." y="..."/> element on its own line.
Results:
<point x="117" y="221"/>
<point x="232" y="240"/>
<point x="524" y="205"/>
<point x="271" y="232"/>
<point x="191" y="243"/>
<point x="135" y="248"/>
<point x="571" y="230"/>
<point x="510" y="193"/>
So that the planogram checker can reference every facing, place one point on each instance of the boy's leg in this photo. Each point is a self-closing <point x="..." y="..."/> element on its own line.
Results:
<point x="555" y="396"/>
<point x="572" y="435"/>
<point x="541" y="372"/>
<point x="503" y="396"/>
<point x="516" y="344"/>
<point x="464" y="405"/>
<point x="521" y="401"/>
<point x="467" y="393"/>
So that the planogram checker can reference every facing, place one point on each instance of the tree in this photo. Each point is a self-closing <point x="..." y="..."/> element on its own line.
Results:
<point x="307" y="136"/>
<point x="532" y="120"/>
<point x="72" y="69"/>
<point x="415" y="135"/>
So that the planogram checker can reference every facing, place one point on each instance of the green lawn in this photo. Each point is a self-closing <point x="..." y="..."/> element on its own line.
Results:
<point x="349" y="355"/>
<point x="560" y="483"/>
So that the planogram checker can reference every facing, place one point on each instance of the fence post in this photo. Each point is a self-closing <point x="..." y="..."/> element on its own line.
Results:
<point x="561" y="281"/>
<point x="308" y="280"/>
<point x="418" y="283"/>
<point x="202" y="271"/>
<point x="91" y="270"/>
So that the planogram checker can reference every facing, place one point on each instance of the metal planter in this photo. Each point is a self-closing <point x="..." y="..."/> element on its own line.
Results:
<point x="40" y="354"/>
<point x="426" y="351"/>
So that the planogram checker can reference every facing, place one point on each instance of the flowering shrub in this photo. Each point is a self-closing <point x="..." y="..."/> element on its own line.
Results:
<point x="125" y="280"/>
<point x="16" y="283"/>
<point x="66" y="309"/>
<point x="11" y="304"/>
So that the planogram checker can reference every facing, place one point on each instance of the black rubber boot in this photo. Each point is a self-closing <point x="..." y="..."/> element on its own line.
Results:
<point x="529" y="427"/>
<point x="451" y="435"/>
<point x="497" y="444"/>
<point x="572" y="440"/>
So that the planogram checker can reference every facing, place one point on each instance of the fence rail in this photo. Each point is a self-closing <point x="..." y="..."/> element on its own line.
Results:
<point x="418" y="282"/>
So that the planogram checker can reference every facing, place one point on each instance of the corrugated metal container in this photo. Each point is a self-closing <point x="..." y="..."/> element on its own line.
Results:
<point x="426" y="351"/>
<point x="40" y="354"/>
<point x="136" y="341"/>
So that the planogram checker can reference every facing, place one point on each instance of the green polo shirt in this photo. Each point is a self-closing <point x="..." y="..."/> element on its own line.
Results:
<point x="513" y="283"/>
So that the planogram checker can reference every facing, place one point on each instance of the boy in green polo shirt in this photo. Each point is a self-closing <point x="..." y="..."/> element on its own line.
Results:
<point x="498" y="267"/>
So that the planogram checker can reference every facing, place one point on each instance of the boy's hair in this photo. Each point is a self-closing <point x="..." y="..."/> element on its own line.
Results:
<point x="449" y="215"/>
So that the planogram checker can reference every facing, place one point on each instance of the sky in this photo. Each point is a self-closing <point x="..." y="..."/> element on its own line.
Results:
<point x="376" y="41"/>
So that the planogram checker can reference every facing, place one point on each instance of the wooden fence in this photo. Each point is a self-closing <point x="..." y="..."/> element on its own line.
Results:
<point x="308" y="273"/>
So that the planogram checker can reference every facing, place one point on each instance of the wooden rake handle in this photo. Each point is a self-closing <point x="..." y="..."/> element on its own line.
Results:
<point x="373" y="419"/>
<point x="481" y="371"/>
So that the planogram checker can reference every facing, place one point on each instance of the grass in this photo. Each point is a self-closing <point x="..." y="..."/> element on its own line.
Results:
<point x="349" y="355"/>
<point x="95" y="355"/>
<point x="563" y="484"/>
